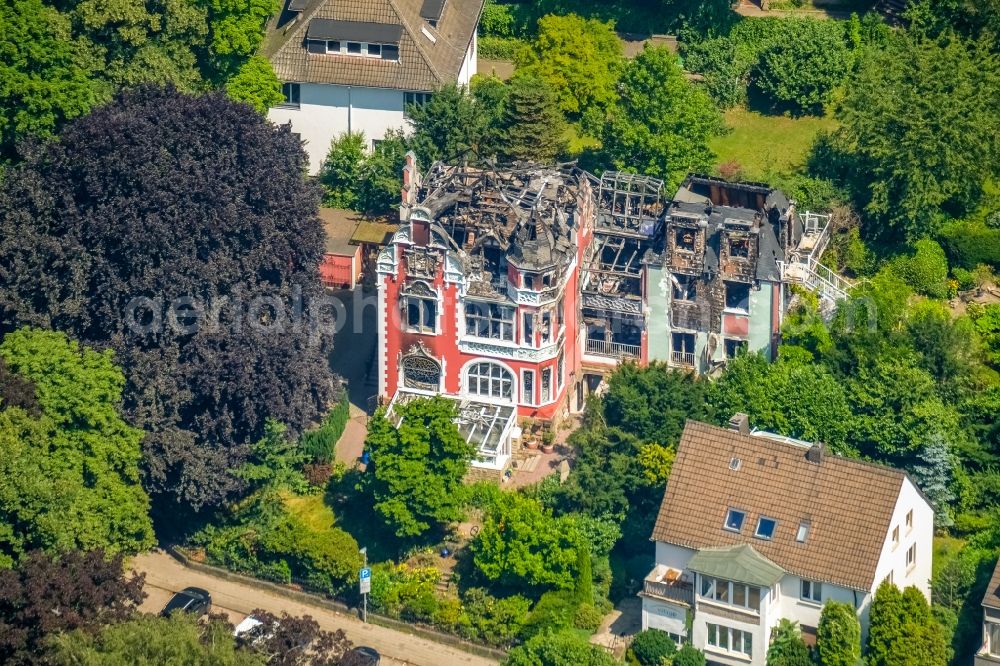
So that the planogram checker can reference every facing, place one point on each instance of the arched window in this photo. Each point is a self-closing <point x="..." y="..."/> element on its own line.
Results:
<point x="421" y="371"/>
<point x="490" y="380"/>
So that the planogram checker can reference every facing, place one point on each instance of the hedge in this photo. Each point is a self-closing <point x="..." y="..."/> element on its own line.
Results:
<point x="320" y="444"/>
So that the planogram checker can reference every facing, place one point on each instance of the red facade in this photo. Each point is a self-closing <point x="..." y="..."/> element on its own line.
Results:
<point x="478" y="290"/>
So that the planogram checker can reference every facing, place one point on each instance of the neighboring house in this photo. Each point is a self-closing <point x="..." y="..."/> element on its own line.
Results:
<point x="477" y="295"/>
<point x="341" y="265"/>
<point x="989" y="653"/>
<point x="699" y="279"/>
<point x="353" y="65"/>
<point x="755" y="527"/>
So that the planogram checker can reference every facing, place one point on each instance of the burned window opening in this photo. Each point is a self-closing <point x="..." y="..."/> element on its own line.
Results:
<point x="684" y="239"/>
<point x="684" y="287"/>
<point x="682" y="348"/>
<point x="489" y="320"/>
<point x="738" y="296"/>
<point x="734" y="347"/>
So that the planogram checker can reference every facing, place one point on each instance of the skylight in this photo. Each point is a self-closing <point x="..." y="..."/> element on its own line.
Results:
<point x="803" y="532"/>
<point x="734" y="520"/>
<point x="765" y="527"/>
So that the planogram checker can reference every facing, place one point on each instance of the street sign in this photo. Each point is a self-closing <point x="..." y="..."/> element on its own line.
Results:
<point x="365" y="581"/>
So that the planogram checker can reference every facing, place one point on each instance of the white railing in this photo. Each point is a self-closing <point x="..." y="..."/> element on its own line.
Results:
<point x="613" y="349"/>
<point x="682" y="358"/>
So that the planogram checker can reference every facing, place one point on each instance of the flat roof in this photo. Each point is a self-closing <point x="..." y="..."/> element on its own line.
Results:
<point x="376" y="232"/>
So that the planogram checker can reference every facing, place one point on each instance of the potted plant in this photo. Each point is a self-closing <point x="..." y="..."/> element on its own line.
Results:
<point x="548" y="437"/>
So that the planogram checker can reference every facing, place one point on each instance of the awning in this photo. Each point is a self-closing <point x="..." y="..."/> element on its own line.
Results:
<point x="741" y="564"/>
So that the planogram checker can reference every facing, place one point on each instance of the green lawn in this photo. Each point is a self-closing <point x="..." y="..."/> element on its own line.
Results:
<point x="764" y="144"/>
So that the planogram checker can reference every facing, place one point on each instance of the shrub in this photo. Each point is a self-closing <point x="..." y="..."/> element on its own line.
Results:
<point x="969" y="244"/>
<point x="554" y="610"/>
<point x="926" y="270"/>
<point x="688" y="655"/>
<point x="319" y="444"/>
<point x="650" y="646"/>
<point x="496" y="621"/>
<point x="801" y="71"/>
<point x="496" y="21"/>
<point x="587" y="617"/>
<point x="499" y="48"/>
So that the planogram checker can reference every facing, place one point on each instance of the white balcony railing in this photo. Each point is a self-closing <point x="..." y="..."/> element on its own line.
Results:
<point x="682" y="358"/>
<point x="613" y="349"/>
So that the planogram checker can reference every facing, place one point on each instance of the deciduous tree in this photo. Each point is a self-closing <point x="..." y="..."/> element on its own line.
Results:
<point x="930" y="145"/>
<point x="523" y="545"/>
<point x="419" y="466"/>
<point x="256" y="84"/>
<point x="72" y="473"/>
<point x="149" y="640"/>
<point x="181" y="232"/>
<point x="46" y="74"/>
<point x="287" y="640"/>
<point x="75" y="590"/>
<point x="565" y="648"/>
<point x="662" y="123"/>
<point x="580" y="58"/>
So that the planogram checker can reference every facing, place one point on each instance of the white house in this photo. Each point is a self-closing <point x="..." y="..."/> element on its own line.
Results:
<point x="354" y="65"/>
<point x="755" y="527"/>
<point x="989" y="650"/>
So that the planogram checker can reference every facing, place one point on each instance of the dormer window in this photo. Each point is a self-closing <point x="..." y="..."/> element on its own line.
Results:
<point x="353" y="38"/>
<point x="374" y="51"/>
<point x="333" y="47"/>
<point x="354" y="48"/>
<point x="734" y="520"/>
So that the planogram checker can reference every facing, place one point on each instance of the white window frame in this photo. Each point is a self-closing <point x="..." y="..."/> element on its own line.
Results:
<point x="525" y="398"/>
<point x="483" y="314"/>
<point x="810" y="591"/>
<point x="347" y="48"/>
<point x="368" y="50"/>
<point x="710" y="587"/>
<point x="803" y="534"/>
<point x="760" y="521"/>
<point x="895" y="537"/>
<point x="721" y="638"/>
<point x="336" y="51"/>
<point x="911" y="557"/>
<point x="499" y="380"/>
<point x="909" y="521"/>
<point x="545" y="386"/>
<point x="423" y="327"/>
<point x="730" y="512"/>
<point x="561" y="369"/>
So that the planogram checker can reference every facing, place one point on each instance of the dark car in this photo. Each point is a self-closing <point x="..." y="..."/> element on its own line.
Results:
<point x="190" y="600"/>
<point x="362" y="656"/>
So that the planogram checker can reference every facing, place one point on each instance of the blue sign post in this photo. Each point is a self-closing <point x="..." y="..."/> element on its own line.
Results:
<point x="365" y="586"/>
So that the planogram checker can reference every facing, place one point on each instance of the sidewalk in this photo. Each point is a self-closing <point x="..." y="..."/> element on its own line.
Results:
<point x="165" y="575"/>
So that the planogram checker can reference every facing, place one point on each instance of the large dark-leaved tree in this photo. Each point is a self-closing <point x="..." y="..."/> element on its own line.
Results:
<point x="46" y="595"/>
<point x="161" y="196"/>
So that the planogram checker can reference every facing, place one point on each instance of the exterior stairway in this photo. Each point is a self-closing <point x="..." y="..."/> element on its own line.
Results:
<point x="824" y="281"/>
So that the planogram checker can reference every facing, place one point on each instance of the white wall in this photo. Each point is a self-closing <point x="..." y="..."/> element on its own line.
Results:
<point x="893" y="558"/>
<point x="326" y="111"/>
<point x="804" y="612"/>
<point x="675" y="557"/>
<point x="469" y="64"/>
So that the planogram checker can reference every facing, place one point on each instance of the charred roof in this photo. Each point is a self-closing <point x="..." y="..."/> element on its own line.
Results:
<point x="526" y="211"/>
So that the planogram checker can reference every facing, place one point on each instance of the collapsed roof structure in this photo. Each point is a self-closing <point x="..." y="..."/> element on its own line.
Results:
<point x="523" y="216"/>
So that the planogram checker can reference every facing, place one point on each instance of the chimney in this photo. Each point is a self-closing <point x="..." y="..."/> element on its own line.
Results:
<point x="740" y="423"/>
<point x="411" y="180"/>
<point x="816" y="453"/>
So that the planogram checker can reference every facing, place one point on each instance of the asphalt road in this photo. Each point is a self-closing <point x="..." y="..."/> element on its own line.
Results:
<point x="165" y="575"/>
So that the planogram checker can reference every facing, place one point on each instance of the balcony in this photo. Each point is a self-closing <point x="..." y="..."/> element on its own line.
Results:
<point x="682" y="358"/>
<point x="617" y="350"/>
<point x="665" y="583"/>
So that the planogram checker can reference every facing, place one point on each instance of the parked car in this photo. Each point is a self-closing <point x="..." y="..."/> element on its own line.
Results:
<point x="189" y="600"/>
<point x="362" y="656"/>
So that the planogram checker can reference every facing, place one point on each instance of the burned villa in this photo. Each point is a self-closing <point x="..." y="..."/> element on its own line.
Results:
<point x="514" y="290"/>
